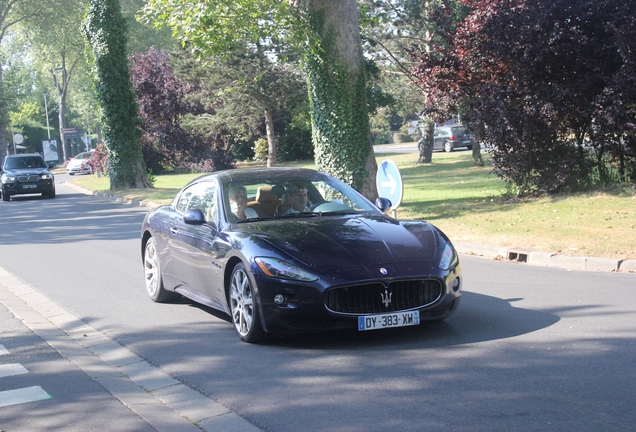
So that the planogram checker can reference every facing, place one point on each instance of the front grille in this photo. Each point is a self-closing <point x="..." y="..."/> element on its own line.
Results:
<point x="28" y="179"/>
<point x="373" y="298"/>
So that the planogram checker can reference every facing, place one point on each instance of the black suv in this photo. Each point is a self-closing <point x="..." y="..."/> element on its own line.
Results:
<point x="26" y="174"/>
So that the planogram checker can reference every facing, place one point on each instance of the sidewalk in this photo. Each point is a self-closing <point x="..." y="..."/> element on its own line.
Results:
<point x="90" y="382"/>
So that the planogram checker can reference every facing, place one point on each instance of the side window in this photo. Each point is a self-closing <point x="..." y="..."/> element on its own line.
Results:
<point x="184" y="199"/>
<point x="201" y="196"/>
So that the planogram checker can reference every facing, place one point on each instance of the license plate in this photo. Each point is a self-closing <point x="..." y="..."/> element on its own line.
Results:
<point x="466" y="141"/>
<point x="29" y="186"/>
<point x="397" y="319"/>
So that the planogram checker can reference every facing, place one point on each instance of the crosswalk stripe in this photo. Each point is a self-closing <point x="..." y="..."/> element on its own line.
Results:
<point x="23" y="395"/>
<point x="12" y="369"/>
<point x="3" y="350"/>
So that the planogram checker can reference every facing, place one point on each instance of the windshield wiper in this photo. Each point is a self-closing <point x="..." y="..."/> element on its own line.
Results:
<point x="338" y="212"/>
<point x="256" y="219"/>
<point x="299" y="214"/>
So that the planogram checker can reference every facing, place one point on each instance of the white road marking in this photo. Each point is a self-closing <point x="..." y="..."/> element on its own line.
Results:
<point x="23" y="395"/>
<point x="3" y="350"/>
<point x="12" y="369"/>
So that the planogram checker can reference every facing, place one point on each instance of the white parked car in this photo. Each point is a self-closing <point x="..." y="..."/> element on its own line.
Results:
<point x="78" y="164"/>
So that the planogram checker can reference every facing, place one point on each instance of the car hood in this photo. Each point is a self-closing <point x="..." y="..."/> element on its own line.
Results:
<point x="76" y="162"/>
<point x="346" y="241"/>
<point x="26" y="171"/>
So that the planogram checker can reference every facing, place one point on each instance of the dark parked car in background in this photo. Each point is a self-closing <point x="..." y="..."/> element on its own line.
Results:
<point x="448" y="138"/>
<point x="291" y="250"/>
<point x="26" y="174"/>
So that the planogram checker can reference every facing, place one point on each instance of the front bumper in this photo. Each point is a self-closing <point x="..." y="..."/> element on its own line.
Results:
<point x="19" y="188"/>
<point x="306" y="309"/>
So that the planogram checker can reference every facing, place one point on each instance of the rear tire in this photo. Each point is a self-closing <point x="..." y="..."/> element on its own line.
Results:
<point x="448" y="146"/>
<point x="244" y="306"/>
<point x="152" y="271"/>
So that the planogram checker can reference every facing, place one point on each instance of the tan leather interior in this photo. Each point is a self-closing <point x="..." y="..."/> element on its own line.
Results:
<point x="266" y="202"/>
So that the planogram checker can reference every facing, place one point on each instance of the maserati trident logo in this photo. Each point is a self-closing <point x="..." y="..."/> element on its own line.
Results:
<point x="386" y="298"/>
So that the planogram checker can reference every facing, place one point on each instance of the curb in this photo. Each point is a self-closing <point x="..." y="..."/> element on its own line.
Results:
<point x="501" y="253"/>
<point x="160" y="400"/>
<point x="547" y="259"/>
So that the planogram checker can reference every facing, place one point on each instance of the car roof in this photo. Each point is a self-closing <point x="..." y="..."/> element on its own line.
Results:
<point x="24" y="155"/>
<point x="239" y="174"/>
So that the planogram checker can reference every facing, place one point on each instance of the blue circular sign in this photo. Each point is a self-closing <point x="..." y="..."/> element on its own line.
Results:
<point x="389" y="183"/>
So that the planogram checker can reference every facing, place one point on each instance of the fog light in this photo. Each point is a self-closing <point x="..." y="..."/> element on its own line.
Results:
<point x="279" y="299"/>
<point x="456" y="284"/>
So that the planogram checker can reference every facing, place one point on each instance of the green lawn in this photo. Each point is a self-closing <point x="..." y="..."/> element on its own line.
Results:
<point x="466" y="203"/>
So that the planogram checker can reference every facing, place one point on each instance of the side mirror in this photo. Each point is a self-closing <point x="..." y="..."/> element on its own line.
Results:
<point x="51" y="165"/>
<point x="384" y="204"/>
<point x="194" y="217"/>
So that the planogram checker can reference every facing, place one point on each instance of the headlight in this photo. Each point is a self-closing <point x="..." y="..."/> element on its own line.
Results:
<point x="46" y="176"/>
<point x="8" y="179"/>
<point x="274" y="267"/>
<point x="448" y="257"/>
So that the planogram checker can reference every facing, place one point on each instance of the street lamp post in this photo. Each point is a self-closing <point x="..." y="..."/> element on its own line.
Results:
<point x="61" y="89"/>
<point x="46" y="111"/>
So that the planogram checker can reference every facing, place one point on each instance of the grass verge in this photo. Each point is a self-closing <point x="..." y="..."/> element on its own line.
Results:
<point x="466" y="203"/>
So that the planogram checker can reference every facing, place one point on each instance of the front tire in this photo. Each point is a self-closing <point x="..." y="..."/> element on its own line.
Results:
<point x="5" y="196"/>
<point x="152" y="271"/>
<point x="244" y="306"/>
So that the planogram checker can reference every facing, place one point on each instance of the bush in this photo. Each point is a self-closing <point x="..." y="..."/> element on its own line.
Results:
<point x="99" y="161"/>
<point x="401" y="137"/>
<point x="261" y="150"/>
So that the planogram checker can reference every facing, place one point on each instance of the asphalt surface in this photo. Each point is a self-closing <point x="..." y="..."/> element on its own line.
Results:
<point x="59" y="368"/>
<point x="71" y="377"/>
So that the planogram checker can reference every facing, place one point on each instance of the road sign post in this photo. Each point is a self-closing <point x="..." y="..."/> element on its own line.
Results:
<point x="389" y="183"/>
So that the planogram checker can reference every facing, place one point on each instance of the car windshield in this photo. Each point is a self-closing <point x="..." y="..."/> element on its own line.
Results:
<point x="24" y="162"/>
<point x="291" y="197"/>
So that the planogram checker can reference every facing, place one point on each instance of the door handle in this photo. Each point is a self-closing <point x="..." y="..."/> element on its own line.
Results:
<point x="173" y="231"/>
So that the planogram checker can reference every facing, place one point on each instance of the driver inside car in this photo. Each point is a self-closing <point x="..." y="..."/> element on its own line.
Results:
<point x="294" y="201"/>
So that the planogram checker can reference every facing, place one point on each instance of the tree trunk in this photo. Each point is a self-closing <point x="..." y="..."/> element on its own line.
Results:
<point x="4" y="116"/>
<point x="105" y="30"/>
<point x="61" y="112"/>
<point x="336" y="79"/>
<point x="425" y="145"/>
<point x="477" y="160"/>
<point x="271" y="138"/>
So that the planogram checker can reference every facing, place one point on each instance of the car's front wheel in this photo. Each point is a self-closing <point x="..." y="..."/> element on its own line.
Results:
<point x="5" y="196"/>
<point x="244" y="306"/>
<point x="448" y="146"/>
<point x="152" y="270"/>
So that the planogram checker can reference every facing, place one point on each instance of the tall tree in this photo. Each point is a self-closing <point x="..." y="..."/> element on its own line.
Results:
<point x="12" y="12"/>
<point x="394" y="30"/>
<point x="534" y="77"/>
<point x="60" y="49"/>
<point x="327" y="32"/>
<point x="337" y="81"/>
<point x="249" y="90"/>
<point x="106" y="31"/>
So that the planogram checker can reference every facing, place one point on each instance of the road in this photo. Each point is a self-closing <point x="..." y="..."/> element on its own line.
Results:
<point x="530" y="348"/>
